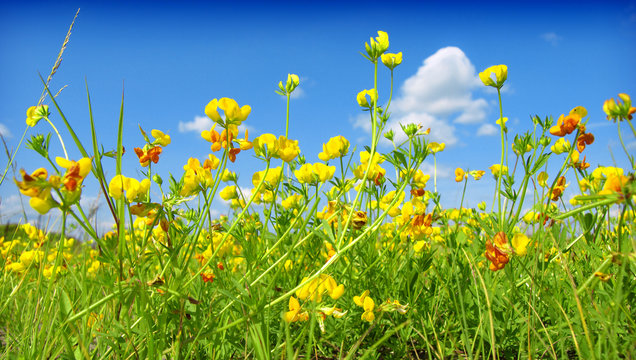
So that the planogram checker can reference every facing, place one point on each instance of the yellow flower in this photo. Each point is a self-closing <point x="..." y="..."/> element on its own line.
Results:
<point x="501" y="74"/>
<point x="160" y="138"/>
<point x="542" y="179"/>
<point x="324" y="172"/>
<point x="359" y="300"/>
<point x="272" y="178"/>
<point x="33" y="184"/>
<point x="229" y="193"/>
<point x="376" y="47"/>
<point x="36" y="113"/>
<point x="43" y="202"/>
<point x="292" y="201"/>
<point x="619" y="110"/>
<point x="292" y="82"/>
<point x="561" y="146"/>
<point x="477" y="174"/>
<point x="375" y="171"/>
<point x="17" y="267"/>
<point x="315" y="288"/>
<point x="615" y="184"/>
<point x="436" y="147"/>
<point x="286" y="149"/>
<point x="500" y="123"/>
<point x="305" y="174"/>
<point x="76" y="171"/>
<point x="362" y="98"/>
<point x="392" y="60"/>
<point x="228" y="176"/>
<point x="460" y="175"/>
<point x="584" y="184"/>
<point x="520" y="244"/>
<point x="233" y="114"/>
<point x="530" y="217"/>
<point x="497" y="169"/>
<point x="419" y="178"/>
<point x="367" y="303"/>
<point x="264" y="145"/>
<point x="337" y="292"/>
<point x="135" y="190"/>
<point x="336" y="147"/>
<point x="294" y="313"/>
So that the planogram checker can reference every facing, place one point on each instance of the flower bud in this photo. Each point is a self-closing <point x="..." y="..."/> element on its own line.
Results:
<point x="157" y="179"/>
<point x="389" y="135"/>
<point x="292" y="83"/>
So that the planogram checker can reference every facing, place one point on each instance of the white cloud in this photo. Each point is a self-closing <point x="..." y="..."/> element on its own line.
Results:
<point x="297" y="93"/>
<point x="552" y="38"/>
<point x="487" y="130"/>
<point x="4" y="131"/>
<point x="443" y="171"/>
<point x="438" y="95"/>
<point x="441" y="86"/>
<point x="199" y="124"/>
<point x="10" y="206"/>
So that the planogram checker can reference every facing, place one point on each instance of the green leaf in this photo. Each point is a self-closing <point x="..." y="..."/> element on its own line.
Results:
<point x="539" y="163"/>
<point x="66" y="307"/>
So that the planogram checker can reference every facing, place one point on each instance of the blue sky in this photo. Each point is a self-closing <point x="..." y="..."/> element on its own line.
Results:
<point x="171" y="58"/>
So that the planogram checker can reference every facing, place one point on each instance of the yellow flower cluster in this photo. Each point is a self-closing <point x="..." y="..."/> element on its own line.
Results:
<point x="234" y="115"/>
<point x="316" y="173"/>
<point x="336" y="147"/>
<point x="282" y="148"/>
<point x="135" y="190"/>
<point x="316" y="288"/>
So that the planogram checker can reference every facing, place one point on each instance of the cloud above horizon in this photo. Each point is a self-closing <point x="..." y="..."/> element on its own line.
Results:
<point x="552" y="38"/>
<point x="200" y="123"/>
<point x="439" y="95"/>
<point x="4" y="131"/>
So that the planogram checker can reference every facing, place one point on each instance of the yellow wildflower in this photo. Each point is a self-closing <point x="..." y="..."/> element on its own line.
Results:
<point x="520" y="243"/>
<point x="362" y="98"/>
<point x="497" y="169"/>
<point x="233" y="114"/>
<point x="160" y="138"/>
<point x="36" y="113"/>
<point x="336" y="147"/>
<point x="501" y="74"/>
<point x="392" y="60"/>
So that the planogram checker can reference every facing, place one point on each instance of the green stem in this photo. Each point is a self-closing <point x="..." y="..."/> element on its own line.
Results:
<point x="13" y="155"/>
<point x="435" y="172"/>
<point x="287" y="117"/>
<point x="58" y="136"/>
<point x="620" y="137"/>
<point x="502" y="125"/>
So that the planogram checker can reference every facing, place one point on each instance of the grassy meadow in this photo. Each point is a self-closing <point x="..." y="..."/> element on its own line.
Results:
<point x="353" y="256"/>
